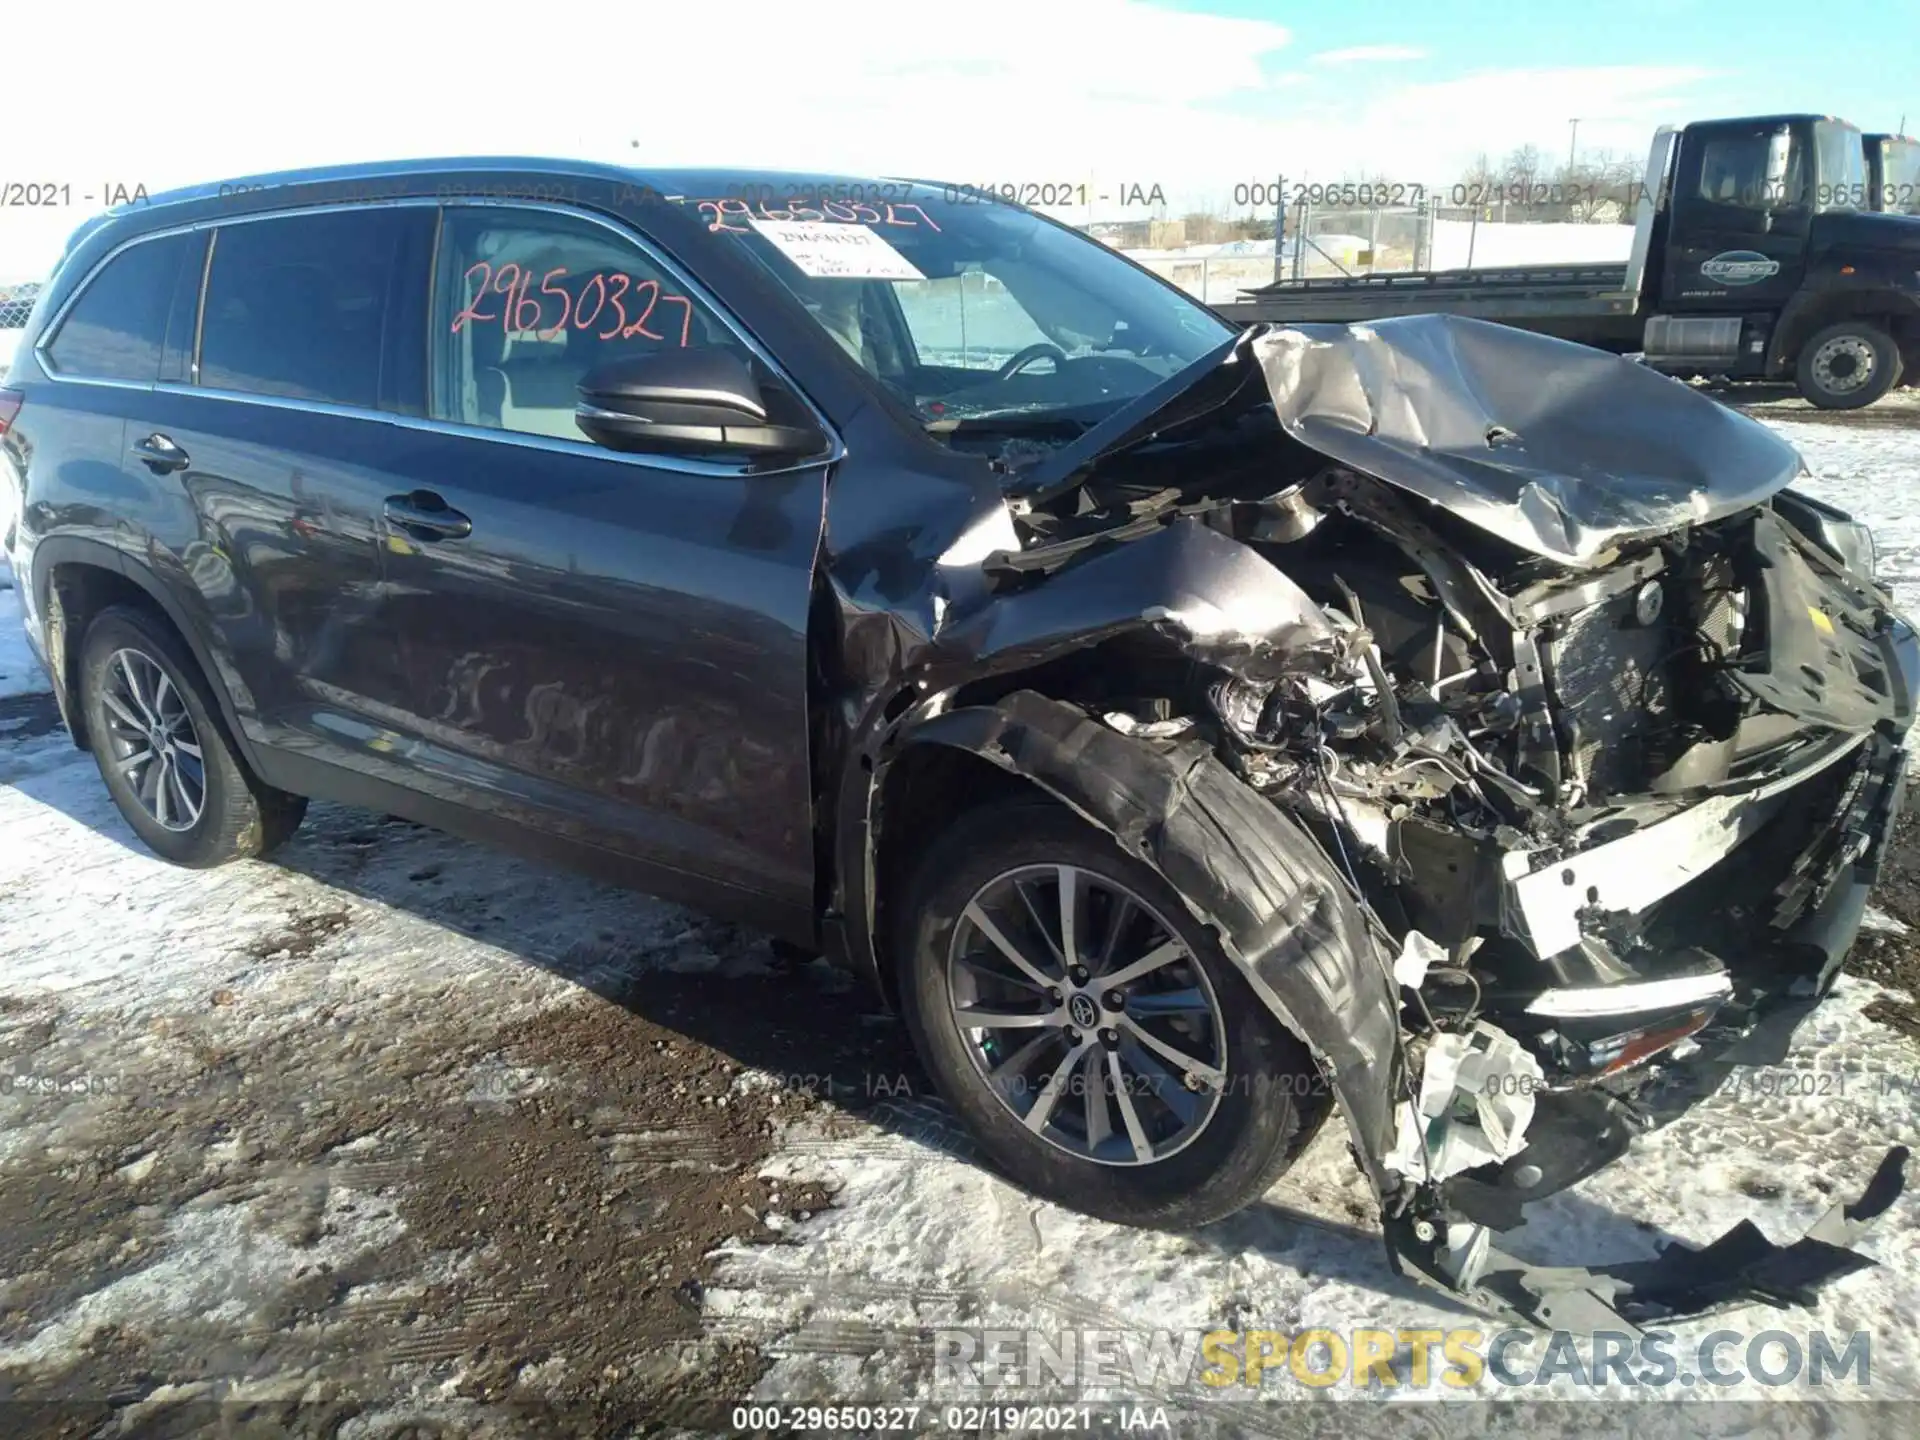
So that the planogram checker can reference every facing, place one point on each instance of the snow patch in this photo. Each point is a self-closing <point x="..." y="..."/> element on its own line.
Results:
<point x="20" y="672"/>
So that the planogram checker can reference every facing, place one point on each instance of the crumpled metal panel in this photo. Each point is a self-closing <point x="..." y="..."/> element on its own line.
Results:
<point x="1562" y="450"/>
<point x="1223" y="600"/>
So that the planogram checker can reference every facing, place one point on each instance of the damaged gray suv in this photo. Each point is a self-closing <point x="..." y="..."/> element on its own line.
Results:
<point x="1195" y="733"/>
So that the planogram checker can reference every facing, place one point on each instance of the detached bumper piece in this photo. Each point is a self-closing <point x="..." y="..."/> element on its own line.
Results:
<point x="1742" y="1267"/>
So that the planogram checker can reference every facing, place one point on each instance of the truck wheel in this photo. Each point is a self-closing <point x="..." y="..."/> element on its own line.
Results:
<point x="1848" y="365"/>
<point x="165" y="756"/>
<point x="1094" y="1040"/>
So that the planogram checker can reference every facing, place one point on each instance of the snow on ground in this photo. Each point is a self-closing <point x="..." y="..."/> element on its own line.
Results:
<point x="320" y="983"/>
<point x="224" y="1095"/>
<point x="20" y="672"/>
<point x="1873" y="471"/>
<point x="922" y="1239"/>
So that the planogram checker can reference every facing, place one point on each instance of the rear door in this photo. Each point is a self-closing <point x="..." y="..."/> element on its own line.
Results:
<point x="101" y="351"/>
<point x="268" y="451"/>
<point x="609" y="646"/>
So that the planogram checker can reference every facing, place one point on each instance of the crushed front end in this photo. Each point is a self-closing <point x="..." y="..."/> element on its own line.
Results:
<point x="1625" y="836"/>
<point x="1600" y="724"/>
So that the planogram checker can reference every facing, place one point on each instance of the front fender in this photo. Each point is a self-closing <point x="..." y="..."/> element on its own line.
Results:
<point x="1244" y="869"/>
<point x="1814" y="307"/>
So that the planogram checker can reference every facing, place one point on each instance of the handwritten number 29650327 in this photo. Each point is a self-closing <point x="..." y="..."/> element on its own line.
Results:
<point x="523" y="308"/>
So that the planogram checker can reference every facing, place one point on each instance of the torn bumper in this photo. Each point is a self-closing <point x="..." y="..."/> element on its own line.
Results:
<point x="1742" y="1267"/>
<point x="1249" y="872"/>
<point x="1628" y="875"/>
<point x="1576" y="1129"/>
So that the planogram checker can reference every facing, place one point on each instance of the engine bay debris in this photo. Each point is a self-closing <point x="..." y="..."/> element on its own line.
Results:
<point x="1527" y="739"/>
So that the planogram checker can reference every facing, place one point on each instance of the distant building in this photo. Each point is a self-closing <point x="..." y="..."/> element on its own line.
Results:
<point x="1121" y="234"/>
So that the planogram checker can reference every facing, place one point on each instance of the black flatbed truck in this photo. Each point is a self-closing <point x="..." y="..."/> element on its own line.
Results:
<point x="1755" y="256"/>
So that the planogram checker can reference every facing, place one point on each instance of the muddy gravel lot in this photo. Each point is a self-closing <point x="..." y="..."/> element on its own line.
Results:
<point x="499" y="1160"/>
<point x="394" y="1135"/>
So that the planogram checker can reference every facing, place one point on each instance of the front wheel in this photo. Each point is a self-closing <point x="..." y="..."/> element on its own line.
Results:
<point x="1848" y="365"/>
<point x="1092" y="1037"/>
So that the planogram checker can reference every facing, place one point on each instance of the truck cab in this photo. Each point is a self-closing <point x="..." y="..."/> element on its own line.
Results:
<point x="1759" y="256"/>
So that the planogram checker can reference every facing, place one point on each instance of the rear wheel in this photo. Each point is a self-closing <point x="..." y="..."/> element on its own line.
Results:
<point x="167" y="761"/>
<point x="1093" y="1038"/>
<point x="1848" y="365"/>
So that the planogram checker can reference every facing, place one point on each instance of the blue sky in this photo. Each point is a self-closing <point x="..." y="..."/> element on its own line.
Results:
<point x="1193" y="96"/>
<point x="1764" y="55"/>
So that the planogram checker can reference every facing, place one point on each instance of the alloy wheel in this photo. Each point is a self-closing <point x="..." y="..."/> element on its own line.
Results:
<point x="155" y="746"/>
<point x="1087" y="1015"/>
<point x="1843" y="364"/>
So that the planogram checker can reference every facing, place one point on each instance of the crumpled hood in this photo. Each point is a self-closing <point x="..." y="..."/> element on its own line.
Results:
<point x="1558" y="448"/>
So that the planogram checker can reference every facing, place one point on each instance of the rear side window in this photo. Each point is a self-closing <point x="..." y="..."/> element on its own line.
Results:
<point x="298" y="306"/>
<point x="118" y="326"/>
<point x="528" y="301"/>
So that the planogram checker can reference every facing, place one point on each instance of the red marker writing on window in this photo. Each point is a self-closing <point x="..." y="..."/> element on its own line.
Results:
<point x="525" y="308"/>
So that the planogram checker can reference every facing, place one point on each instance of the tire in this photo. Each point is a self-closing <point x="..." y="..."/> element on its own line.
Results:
<point x="127" y="655"/>
<point x="1831" y="363"/>
<point x="1268" y="1099"/>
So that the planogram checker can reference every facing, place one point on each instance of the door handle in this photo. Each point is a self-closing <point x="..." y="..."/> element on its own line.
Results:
<point x="424" y="515"/>
<point x="159" y="454"/>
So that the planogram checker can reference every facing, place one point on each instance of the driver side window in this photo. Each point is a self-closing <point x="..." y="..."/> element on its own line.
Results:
<point x="968" y="321"/>
<point x="1733" y="173"/>
<point x="1733" y="169"/>
<point x="526" y="302"/>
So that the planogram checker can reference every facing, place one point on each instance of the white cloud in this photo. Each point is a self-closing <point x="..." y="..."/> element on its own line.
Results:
<point x="1106" y="92"/>
<point x="1369" y="55"/>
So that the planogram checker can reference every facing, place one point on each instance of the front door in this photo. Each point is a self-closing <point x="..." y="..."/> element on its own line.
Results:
<point x="1737" y="241"/>
<point x="609" y="646"/>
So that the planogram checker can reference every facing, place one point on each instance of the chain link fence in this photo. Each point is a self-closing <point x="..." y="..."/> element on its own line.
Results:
<point x="1321" y="242"/>
<point x="16" y="303"/>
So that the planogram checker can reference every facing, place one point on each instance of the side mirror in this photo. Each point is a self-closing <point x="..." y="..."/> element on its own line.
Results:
<point x="1779" y="152"/>
<point x="694" y="401"/>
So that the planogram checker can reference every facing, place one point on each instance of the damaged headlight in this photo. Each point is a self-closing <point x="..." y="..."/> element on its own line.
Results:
<point x="1833" y="529"/>
<point x="1853" y="543"/>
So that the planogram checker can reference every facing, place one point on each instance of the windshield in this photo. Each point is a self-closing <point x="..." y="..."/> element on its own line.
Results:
<point x="1900" y="176"/>
<point x="967" y="309"/>
<point x="1843" y="168"/>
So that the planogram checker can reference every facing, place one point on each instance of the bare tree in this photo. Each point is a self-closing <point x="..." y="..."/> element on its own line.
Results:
<point x="1523" y="168"/>
<point x="1480" y="171"/>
